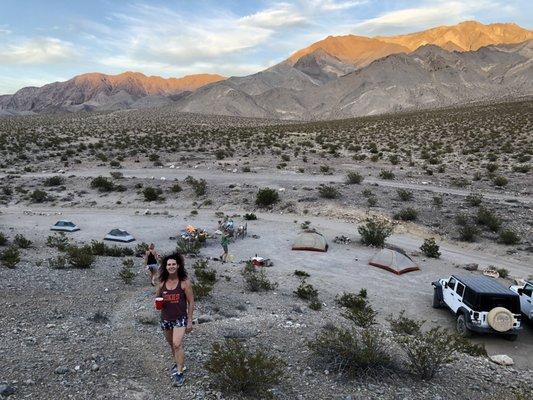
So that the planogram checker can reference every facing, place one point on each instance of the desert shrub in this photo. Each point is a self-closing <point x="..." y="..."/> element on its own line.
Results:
<point x="375" y="231"/>
<point x="404" y="194"/>
<point x="59" y="262"/>
<point x="328" y="192"/>
<point x="102" y="249"/>
<point x="367" y="192"/>
<point x="386" y="174"/>
<point x="246" y="169"/>
<point x="11" y="257"/>
<point x="141" y="249"/>
<point x="474" y="199"/>
<point x="430" y="248"/>
<point x="406" y="214"/>
<point x="256" y="279"/>
<point x="403" y="325"/>
<point x="188" y="246"/>
<point x="372" y="201"/>
<point x="236" y="369"/>
<point x="352" y="300"/>
<point x="201" y="290"/>
<point x="465" y="346"/>
<point x="80" y="257"/>
<point x="54" y="181"/>
<point x="500" y="181"/>
<point x="220" y="154"/>
<point x="315" y="305"/>
<point x="488" y="218"/>
<point x="306" y="291"/>
<point x="301" y="274"/>
<point x="462" y="219"/>
<point x="352" y="351"/>
<point x="3" y="239"/>
<point x="22" y="242"/>
<point x="468" y="232"/>
<point x="176" y="188"/>
<point x="521" y="168"/>
<point x="437" y="200"/>
<point x="250" y="217"/>
<point x="58" y="241"/>
<point x="38" y="196"/>
<point x="353" y="177"/>
<point x="491" y="167"/>
<point x="151" y="194"/>
<point x="460" y="182"/>
<point x="363" y="316"/>
<point x="102" y="184"/>
<point x="99" y="317"/>
<point x="504" y="273"/>
<point x="199" y="187"/>
<point x="266" y="197"/>
<point x="126" y="272"/>
<point x="116" y="175"/>
<point x="325" y="169"/>
<point x="509" y="237"/>
<point x="203" y="273"/>
<point x="153" y="157"/>
<point x="427" y="352"/>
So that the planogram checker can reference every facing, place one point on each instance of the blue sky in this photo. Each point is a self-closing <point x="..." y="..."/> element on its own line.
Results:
<point x="43" y="41"/>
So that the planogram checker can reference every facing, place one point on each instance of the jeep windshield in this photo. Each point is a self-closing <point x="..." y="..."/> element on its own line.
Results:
<point x="488" y="302"/>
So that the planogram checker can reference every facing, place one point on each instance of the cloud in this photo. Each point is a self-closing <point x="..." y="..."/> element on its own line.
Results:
<point x="332" y="5"/>
<point x="425" y="16"/>
<point x="278" y="16"/>
<point x="37" y="51"/>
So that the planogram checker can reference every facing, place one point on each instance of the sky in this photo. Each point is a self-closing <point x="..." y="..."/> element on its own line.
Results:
<point x="43" y="41"/>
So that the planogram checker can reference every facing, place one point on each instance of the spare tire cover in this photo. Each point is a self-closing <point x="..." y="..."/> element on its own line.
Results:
<point x="500" y="319"/>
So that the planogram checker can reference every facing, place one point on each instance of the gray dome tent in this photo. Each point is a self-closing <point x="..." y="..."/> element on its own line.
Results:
<point x="311" y="241"/>
<point x="119" y="235"/>
<point x="393" y="261"/>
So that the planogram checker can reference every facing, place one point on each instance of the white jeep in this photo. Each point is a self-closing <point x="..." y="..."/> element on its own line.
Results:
<point x="526" y="298"/>
<point x="480" y="304"/>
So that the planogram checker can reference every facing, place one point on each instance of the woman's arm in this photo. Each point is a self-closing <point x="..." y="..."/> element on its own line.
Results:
<point x="146" y="257"/>
<point x="158" y="289"/>
<point x="190" y="304"/>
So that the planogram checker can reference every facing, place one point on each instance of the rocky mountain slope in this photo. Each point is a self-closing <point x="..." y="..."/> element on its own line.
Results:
<point x="100" y="91"/>
<point x="429" y="77"/>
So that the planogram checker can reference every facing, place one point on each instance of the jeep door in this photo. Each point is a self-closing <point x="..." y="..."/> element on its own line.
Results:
<point x="526" y="299"/>
<point x="459" y="293"/>
<point x="449" y="295"/>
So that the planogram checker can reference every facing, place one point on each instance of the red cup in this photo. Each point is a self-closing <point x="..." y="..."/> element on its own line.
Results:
<point x="159" y="303"/>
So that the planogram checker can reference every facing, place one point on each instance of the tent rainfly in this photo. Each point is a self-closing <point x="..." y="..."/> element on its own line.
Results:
<point x="64" y="226"/>
<point x="119" y="235"/>
<point x="393" y="261"/>
<point x="310" y="241"/>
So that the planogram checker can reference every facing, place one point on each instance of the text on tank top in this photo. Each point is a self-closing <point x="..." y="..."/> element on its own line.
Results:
<point x="175" y="303"/>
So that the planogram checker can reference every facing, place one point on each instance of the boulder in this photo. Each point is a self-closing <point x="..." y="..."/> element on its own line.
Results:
<point x="502" y="359"/>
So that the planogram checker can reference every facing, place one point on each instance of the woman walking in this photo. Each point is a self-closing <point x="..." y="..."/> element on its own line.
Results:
<point x="151" y="259"/>
<point x="224" y="241"/>
<point x="178" y="307"/>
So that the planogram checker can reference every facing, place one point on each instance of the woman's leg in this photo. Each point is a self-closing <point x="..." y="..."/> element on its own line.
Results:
<point x="177" y="344"/>
<point x="168" y="337"/>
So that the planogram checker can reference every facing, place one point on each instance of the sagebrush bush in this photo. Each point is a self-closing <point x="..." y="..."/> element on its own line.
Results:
<point x="509" y="237"/>
<point x="388" y="175"/>
<point x="406" y="214"/>
<point x="39" y="196"/>
<point x="375" y="231"/>
<point x="351" y="300"/>
<point x="126" y="272"/>
<point x="103" y="184"/>
<point x="353" y="177"/>
<point x="59" y="262"/>
<point x="80" y="257"/>
<point x="102" y="249"/>
<point x="352" y="351"/>
<point x="151" y="194"/>
<point x="500" y="181"/>
<point x="474" y="199"/>
<point x="364" y="316"/>
<point x="503" y="272"/>
<point x="266" y="197"/>
<point x="430" y="248"/>
<point x="11" y="257"/>
<point x="203" y="273"/>
<point x="306" y="291"/>
<point x="141" y="249"/>
<point x="236" y="369"/>
<point x="405" y="195"/>
<point x="468" y="233"/>
<point x="59" y="241"/>
<point x="22" y="242"/>
<point x="403" y="325"/>
<point x="256" y="279"/>
<point x="427" y="352"/>
<point x="54" y="181"/>
<point x="176" y="188"/>
<point x="488" y="218"/>
<point x="301" y="274"/>
<point x="328" y="192"/>
<point x="199" y="187"/>
<point x="201" y="290"/>
<point x="465" y="346"/>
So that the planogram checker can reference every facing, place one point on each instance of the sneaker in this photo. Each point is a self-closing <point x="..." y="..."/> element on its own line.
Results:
<point x="174" y="369"/>
<point x="178" y="379"/>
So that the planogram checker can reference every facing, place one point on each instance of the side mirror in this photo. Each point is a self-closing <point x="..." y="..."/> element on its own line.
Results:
<point x="520" y="291"/>
<point x="446" y="285"/>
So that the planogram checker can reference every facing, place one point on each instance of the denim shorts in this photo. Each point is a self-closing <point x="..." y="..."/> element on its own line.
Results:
<point x="152" y="267"/>
<point x="169" y="325"/>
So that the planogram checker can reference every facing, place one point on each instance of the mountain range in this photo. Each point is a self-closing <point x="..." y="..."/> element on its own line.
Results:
<point x="340" y="76"/>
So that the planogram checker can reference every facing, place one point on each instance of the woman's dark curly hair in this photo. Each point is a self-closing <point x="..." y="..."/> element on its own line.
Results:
<point x="163" y="273"/>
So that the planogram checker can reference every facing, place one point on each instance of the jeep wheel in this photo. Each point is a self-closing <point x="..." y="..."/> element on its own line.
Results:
<point x="436" y="301"/>
<point x="462" y="329"/>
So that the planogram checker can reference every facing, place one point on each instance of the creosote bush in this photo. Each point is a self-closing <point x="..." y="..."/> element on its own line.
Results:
<point x="3" y="239"/>
<point x="403" y="325"/>
<point x="306" y="291"/>
<point x="266" y="197"/>
<point x="22" y="242"/>
<point x="405" y="195"/>
<point x="54" y="181"/>
<point x="205" y="279"/>
<point x="430" y="248"/>
<point x="102" y="249"/>
<point x="406" y="214"/>
<point x="387" y="175"/>
<point x="328" y="192"/>
<point x="199" y="186"/>
<point x="474" y="199"/>
<point x="58" y="241"/>
<point x="39" y="196"/>
<point x="352" y="351"/>
<point x="488" y="218"/>
<point x="353" y="177"/>
<point x="509" y="237"/>
<point x="375" y="231"/>
<point x="103" y="184"/>
<point x="126" y="273"/>
<point x="256" y="279"/>
<point x="250" y="217"/>
<point x="80" y="257"/>
<point x="152" y="194"/>
<point x="188" y="246"/>
<point x="301" y="274"/>
<point x="357" y="308"/>
<point x="10" y="257"/>
<point x="236" y="369"/>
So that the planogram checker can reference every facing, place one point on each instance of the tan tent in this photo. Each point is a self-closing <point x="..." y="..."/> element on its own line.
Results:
<point x="393" y="261"/>
<point x="310" y="241"/>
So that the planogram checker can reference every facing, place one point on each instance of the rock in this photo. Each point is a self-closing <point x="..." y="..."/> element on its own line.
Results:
<point x="502" y="359"/>
<point x="95" y="367"/>
<point x="61" y="370"/>
<point x="7" y="390"/>
<point x="29" y="382"/>
<point x="471" y="267"/>
<point x="202" y="319"/>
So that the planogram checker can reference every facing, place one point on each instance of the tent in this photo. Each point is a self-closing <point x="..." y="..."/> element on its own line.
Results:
<point x="119" y="235"/>
<point x="64" y="226"/>
<point x="310" y="241"/>
<point x="393" y="261"/>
